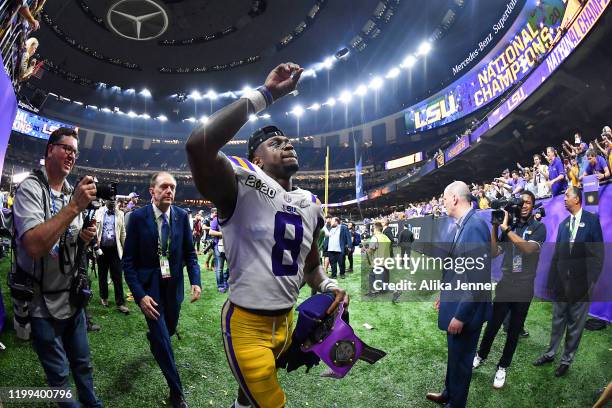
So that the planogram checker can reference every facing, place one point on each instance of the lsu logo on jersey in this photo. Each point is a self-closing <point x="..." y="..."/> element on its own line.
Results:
<point x="260" y="186"/>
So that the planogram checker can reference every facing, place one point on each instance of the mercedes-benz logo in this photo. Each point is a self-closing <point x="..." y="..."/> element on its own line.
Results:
<point x="137" y="19"/>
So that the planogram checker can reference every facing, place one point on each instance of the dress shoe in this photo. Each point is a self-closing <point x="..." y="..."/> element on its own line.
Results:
<point x="561" y="370"/>
<point x="524" y="333"/>
<point x="437" y="398"/>
<point x="123" y="309"/>
<point x="543" y="360"/>
<point x="178" y="402"/>
<point x="104" y="302"/>
<point x="91" y="327"/>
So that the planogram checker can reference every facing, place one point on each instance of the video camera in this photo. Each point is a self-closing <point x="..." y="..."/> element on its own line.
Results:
<point x="511" y="205"/>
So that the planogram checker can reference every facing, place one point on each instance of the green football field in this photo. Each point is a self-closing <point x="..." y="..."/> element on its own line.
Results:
<point x="126" y="375"/>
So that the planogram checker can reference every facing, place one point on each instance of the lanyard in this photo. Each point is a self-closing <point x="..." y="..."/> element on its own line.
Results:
<point x="52" y="197"/>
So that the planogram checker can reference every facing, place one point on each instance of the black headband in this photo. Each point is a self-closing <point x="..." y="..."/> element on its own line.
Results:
<point x="260" y="136"/>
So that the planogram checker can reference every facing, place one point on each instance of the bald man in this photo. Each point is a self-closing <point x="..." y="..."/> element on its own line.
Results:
<point x="462" y="312"/>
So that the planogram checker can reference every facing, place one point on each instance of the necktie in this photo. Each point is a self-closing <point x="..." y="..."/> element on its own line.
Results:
<point x="165" y="233"/>
<point x="457" y="230"/>
<point x="572" y="226"/>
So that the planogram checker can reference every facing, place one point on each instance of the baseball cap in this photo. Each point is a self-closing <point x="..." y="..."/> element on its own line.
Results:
<point x="133" y="195"/>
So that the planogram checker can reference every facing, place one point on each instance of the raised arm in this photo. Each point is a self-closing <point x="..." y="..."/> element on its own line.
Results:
<point x="209" y="167"/>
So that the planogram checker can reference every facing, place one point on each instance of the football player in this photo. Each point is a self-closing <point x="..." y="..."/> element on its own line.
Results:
<point x="269" y="231"/>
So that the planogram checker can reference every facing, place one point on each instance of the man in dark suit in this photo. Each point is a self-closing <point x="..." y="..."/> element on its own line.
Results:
<point x="405" y="239"/>
<point x="158" y="244"/>
<point x="574" y="270"/>
<point x="462" y="312"/>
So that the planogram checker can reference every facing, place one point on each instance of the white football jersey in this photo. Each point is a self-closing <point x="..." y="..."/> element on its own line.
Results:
<point x="267" y="239"/>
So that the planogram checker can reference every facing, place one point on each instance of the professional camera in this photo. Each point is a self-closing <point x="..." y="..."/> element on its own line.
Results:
<point x="104" y="191"/>
<point x="511" y="205"/>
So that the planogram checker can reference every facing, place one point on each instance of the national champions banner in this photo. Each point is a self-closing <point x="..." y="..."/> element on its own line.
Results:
<point x="534" y="32"/>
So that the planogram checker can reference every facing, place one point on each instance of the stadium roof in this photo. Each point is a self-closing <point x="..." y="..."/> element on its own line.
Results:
<point x="226" y="45"/>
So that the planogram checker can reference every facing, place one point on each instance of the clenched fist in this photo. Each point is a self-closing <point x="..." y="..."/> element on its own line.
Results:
<point x="283" y="79"/>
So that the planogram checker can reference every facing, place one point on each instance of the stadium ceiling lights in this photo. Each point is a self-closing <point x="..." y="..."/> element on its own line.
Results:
<point x="393" y="73"/>
<point x="409" y="61"/>
<point x="115" y="110"/>
<point x="195" y="95"/>
<point x="361" y="90"/>
<point x="212" y="95"/>
<point x="376" y="83"/>
<point x="328" y="63"/>
<point x="297" y="111"/>
<point x="330" y="102"/>
<point x="146" y="93"/>
<point x="204" y="119"/>
<point x="345" y="97"/>
<point x="424" y="48"/>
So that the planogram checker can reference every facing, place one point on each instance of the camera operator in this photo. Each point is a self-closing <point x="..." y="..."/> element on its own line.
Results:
<point x="48" y="224"/>
<point x="520" y="242"/>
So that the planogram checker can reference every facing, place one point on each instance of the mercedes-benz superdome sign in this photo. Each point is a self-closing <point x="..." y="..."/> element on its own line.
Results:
<point x="138" y="20"/>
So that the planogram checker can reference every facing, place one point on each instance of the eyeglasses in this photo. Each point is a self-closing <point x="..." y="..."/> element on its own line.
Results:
<point x="68" y="149"/>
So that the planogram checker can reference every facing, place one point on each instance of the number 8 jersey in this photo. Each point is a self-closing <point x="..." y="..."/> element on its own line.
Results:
<point x="267" y="239"/>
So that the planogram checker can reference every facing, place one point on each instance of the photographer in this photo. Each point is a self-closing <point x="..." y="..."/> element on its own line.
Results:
<point x="520" y="242"/>
<point x="48" y="224"/>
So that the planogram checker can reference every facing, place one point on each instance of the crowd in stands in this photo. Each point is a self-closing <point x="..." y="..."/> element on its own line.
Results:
<point x="548" y="175"/>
